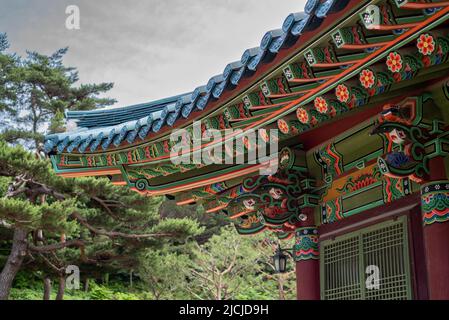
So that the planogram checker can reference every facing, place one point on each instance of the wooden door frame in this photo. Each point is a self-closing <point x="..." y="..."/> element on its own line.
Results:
<point x="409" y="206"/>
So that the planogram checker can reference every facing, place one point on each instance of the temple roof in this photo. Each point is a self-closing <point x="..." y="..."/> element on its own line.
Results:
<point x="336" y="89"/>
<point x="108" y="116"/>
<point x="102" y="127"/>
<point x="106" y="126"/>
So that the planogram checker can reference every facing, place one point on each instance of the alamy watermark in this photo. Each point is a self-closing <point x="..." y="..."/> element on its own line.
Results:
<point x="373" y="277"/>
<point x="73" y="20"/>
<point x="202" y="146"/>
<point x="72" y="281"/>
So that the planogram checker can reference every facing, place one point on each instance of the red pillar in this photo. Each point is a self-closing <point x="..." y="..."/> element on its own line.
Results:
<point x="435" y="209"/>
<point x="306" y="255"/>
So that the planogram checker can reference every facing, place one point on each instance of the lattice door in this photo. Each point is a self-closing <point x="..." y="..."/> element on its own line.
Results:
<point x="382" y="248"/>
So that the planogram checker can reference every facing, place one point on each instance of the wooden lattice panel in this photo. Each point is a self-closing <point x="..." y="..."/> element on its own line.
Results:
<point x="345" y="260"/>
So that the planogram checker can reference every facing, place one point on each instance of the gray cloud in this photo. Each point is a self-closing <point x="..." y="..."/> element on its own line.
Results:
<point x="150" y="49"/>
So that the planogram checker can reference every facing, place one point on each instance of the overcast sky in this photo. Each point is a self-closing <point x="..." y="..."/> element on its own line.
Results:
<point x="150" y="49"/>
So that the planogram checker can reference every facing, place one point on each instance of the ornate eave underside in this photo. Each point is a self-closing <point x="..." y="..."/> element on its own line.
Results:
<point x="368" y="56"/>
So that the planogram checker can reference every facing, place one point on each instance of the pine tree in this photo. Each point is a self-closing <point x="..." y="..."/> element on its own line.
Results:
<point x="231" y="266"/>
<point x="40" y="88"/>
<point x="57" y="222"/>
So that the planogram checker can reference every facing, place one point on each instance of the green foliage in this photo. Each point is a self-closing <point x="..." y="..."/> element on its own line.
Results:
<point x="179" y="228"/>
<point x="91" y="210"/>
<point x="13" y="135"/>
<point x="8" y="88"/>
<point x="227" y="266"/>
<point x="16" y="161"/>
<point x="4" y="184"/>
<point x="3" y="42"/>
<point x="37" y="89"/>
<point x="125" y="296"/>
<point x="100" y="292"/>
<point x="106" y="227"/>
<point x="19" y="212"/>
<point x="178" y="252"/>
<point x="211" y="223"/>
<point x="57" y="122"/>
<point x="98" y="203"/>
<point x="28" y="287"/>
<point x="25" y="294"/>
<point x="162" y="272"/>
<point x="255" y="293"/>
<point x="51" y="217"/>
<point x="54" y="217"/>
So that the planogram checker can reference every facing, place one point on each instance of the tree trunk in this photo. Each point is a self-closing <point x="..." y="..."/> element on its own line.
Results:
<point x="219" y="288"/>
<point x="86" y="285"/>
<point x="47" y="288"/>
<point x="14" y="262"/>
<point x="61" y="288"/>
<point x="281" y="287"/>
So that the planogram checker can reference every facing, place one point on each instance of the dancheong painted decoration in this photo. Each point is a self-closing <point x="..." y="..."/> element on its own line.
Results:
<point x="354" y="95"/>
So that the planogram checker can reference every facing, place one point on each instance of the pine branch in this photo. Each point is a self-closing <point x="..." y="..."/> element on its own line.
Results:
<point x="116" y="234"/>
<point x="36" y="188"/>
<point x="51" y="265"/>
<point x="57" y="246"/>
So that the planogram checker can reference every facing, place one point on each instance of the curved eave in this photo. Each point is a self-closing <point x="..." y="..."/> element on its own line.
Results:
<point x="201" y="181"/>
<point x="276" y="46"/>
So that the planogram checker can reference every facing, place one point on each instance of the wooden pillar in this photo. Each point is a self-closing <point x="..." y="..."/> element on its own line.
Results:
<point x="435" y="210"/>
<point x="306" y="255"/>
